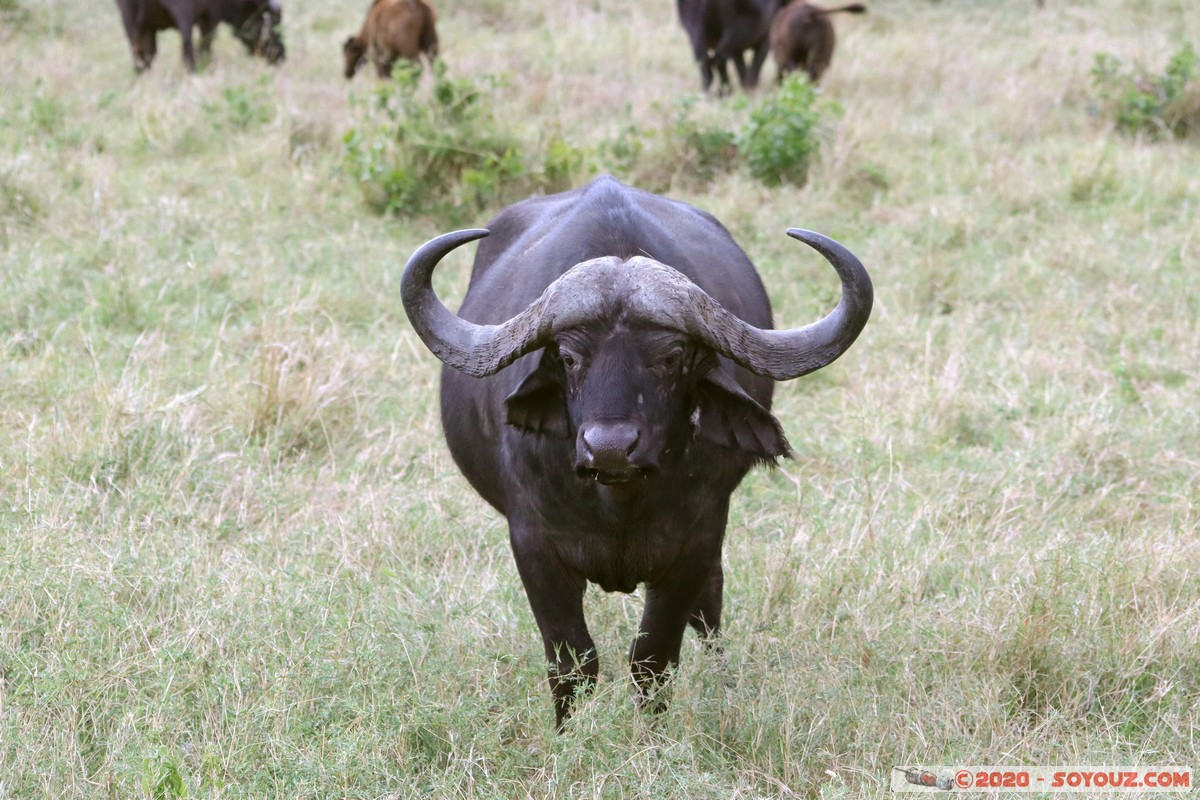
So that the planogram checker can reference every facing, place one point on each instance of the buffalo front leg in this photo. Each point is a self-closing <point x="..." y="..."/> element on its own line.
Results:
<point x="383" y="67"/>
<point x="555" y="594"/>
<point x="144" y="51"/>
<point x="706" y="617"/>
<point x="671" y="604"/>
<point x="721" y="66"/>
<point x="700" y="52"/>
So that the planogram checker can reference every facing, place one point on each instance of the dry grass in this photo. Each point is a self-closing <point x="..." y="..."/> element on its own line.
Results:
<point x="236" y="558"/>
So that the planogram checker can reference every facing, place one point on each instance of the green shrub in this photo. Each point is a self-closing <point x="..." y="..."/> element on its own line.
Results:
<point x="690" y="146"/>
<point x="442" y="150"/>
<point x="11" y="13"/>
<point x="242" y="108"/>
<point x="1141" y="102"/>
<point x="705" y="149"/>
<point x="622" y="153"/>
<point x="781" y="139"/>
<point x="415" y="151"/>
<point x="563" y="162"/>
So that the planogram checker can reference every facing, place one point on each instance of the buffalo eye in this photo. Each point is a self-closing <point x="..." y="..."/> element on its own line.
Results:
<point x="671" y="360"/>
<point x="569" y="360"/>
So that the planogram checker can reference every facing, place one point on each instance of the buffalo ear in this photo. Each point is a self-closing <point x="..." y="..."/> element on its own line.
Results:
<point x="728" y="417"/>
<point x="538" y="404"/>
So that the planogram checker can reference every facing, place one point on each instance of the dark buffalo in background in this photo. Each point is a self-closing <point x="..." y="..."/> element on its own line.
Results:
<point x="802" y="37"/>
<point x="723" y="30"/>
<point x="393" y="29"/>
<point x="607" y="386"/>
<point x="255" y="23"/>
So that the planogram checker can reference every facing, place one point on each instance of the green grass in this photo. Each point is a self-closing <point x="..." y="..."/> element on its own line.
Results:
<point x="236" y="560"/>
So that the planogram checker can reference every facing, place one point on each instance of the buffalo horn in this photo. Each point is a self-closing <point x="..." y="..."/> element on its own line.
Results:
<point x="475" y="350"/>
<point x="787" y="354"/>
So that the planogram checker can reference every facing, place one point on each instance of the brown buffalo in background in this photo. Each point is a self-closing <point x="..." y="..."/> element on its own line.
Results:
<point x="255" y="23"/>
<point x="394" y="29"/>
<point x="802" y="37"/>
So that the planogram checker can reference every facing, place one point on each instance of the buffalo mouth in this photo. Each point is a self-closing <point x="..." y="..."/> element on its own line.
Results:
<point x="273" y="52"/>
<point x="614" y="477"/>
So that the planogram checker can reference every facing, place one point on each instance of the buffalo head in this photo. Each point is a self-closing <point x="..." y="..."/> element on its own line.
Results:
<point x="629" y="364"/>
<point x="260" y="32"/>
<point x="354" y="51"/>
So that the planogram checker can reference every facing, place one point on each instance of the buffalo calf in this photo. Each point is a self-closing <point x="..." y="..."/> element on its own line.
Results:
<point x="393" y="29"/>
<point x="255" y="23"/>
<point x="802" y="37"/>
<point x="607" y="385"/>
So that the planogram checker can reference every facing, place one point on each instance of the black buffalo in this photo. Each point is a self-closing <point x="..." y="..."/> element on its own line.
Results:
<point x="255" y="23"/>
<point x="723" y="30"/>
<point x="607" y="385"/>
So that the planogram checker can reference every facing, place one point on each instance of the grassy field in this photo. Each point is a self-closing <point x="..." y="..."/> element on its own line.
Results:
<point x="236" y="560"/>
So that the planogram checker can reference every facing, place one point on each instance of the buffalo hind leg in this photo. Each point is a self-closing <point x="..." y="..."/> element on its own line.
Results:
<point x="739" y="65"/>
<point x="428" y="43"/>
<point x="556" y="597"/>
<point x="815" y="63"/>
<point x="722" y="68"/>
<point x="184" y="23"/>
<point x="756" y="65"/>
<point x="705" y="63"/>
<point x="208" y="31"/>
<point x="783" y="68"/>
<point x="728" y="49"/>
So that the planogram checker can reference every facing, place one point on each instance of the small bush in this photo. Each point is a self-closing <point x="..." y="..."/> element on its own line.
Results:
<point x="562" y="163"/>
<point x="242" y="108"/>
<point x="444" y="151"/>
<point x="687" y="149"/>
<point x="1141" y="102"/>
<point x="416" y="151"/>
<point x="622" y="153"/>
<point x="704" y="149"/>
<point x="11" y="13"/>
<point x="781" y="139"/>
